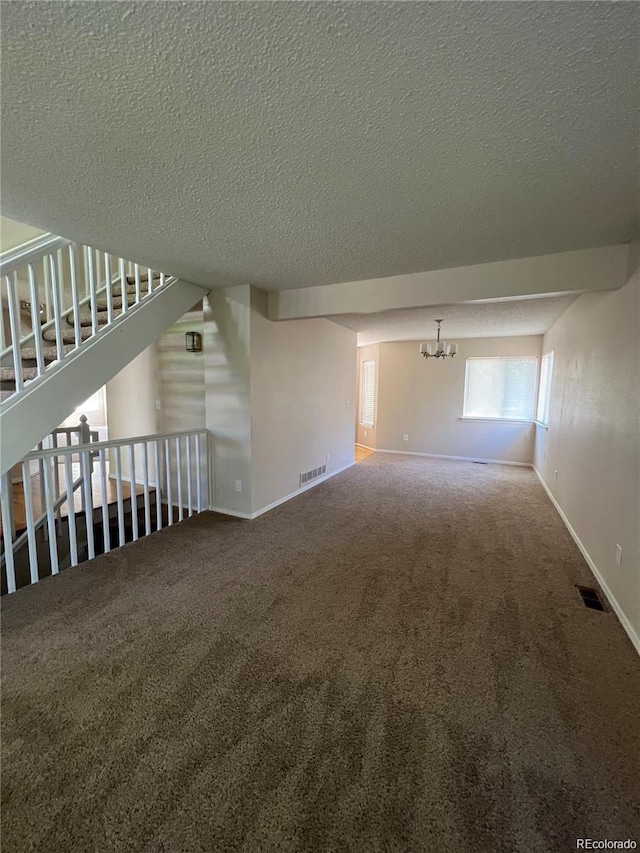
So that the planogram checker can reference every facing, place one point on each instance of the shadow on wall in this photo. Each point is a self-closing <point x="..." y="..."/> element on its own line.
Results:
<point x="227" y="393"/>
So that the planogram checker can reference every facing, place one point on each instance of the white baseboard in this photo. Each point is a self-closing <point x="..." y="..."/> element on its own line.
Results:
<point x="312" y="485"/>
<point x="628" y="627"/>
<point x="365" y="446"/>
<point x="224" y="511"/>
<point x="456" y="458"/>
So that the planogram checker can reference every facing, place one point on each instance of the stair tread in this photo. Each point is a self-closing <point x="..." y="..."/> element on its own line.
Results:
<point x="48" y="353"/>
<point x="144" y="276"/>
<point x="102" y="318"/>
<point x="7" y="374"/>
<point x="103" y="304"/>
<point x="68" y="335"/>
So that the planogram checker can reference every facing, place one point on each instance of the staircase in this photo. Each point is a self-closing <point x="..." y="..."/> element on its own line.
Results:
<point x="50" y="354"/>
<point x="71" y="317"/>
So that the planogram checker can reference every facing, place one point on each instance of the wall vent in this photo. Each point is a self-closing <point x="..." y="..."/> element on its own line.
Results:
<point x="590" y="598"/>
<point x="311" y="475"/>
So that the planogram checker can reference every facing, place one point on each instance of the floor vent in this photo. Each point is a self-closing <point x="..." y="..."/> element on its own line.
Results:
<point x="590" y="598"/>
<point x="311" y="475"/>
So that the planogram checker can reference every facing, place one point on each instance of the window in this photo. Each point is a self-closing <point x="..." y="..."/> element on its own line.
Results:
<point x="367" y="392"/>
<point x="502" y="388"/>
<point x="544" y="393"/>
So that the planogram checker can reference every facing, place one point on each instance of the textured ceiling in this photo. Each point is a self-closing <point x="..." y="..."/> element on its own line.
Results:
<point x="497" y="319"/>
<point x="294" y="144"/>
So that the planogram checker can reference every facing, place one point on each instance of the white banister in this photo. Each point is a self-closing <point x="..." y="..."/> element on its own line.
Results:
<point x="156" y="456"/>
<point x="133" y="497"/>
<point x="147" y="493"/>
<point x="88" y="500"/>
<point x="104" y="497"/>
<point x="119" y="498"/>
<point x="50" y="508"/>
<point x="78" y="301"/>
<point x="167" y="453"/>
<point x="173" y="460"/>
<point x="14" y="325"/>
<point x="6" y="506"/>
<point x="57" y="318"/>
<point x="35" y="318"/>
<point x="189" y="492"/>
<point x="123" y="285"/>
<point x="71" y="515"/>
<point x="75" y="300"/>
<point x="179" y="477"/>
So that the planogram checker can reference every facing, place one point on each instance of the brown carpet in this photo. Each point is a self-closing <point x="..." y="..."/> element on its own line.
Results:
<point x="396" y="660"/>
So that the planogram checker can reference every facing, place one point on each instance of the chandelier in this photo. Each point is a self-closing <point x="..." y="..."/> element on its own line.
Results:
<point x="442" y="349"/>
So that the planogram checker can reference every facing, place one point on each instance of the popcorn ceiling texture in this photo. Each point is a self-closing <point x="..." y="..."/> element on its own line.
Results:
<point x="466" y="320"/>
<point x="294" y="144"/>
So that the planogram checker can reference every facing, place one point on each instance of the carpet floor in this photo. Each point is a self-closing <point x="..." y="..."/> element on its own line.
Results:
<point x="396" y="661"/>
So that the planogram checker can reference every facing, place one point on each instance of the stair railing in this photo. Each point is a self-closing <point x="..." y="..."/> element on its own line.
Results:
<point x="173" y="468"/>
<point x="61" y="287"/>
<point x="83" y="435"/>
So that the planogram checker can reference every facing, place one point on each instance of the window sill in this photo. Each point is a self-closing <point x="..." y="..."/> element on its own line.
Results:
<point x="497" y="420"/>
<point x="541" y="425"/>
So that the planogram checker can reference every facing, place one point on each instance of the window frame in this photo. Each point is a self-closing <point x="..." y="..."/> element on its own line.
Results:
<point x="539" y="421"/>
<point x="498" y="419"/>
<point x="361" y="401"/>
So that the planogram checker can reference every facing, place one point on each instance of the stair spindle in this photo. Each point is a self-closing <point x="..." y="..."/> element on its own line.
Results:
<point x="35" y="319"/>
<point x="6" y="510"/>
<point x="15" y="327"/>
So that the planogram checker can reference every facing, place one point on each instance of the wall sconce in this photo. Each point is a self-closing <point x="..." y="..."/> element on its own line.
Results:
<point x="193" y="342"/>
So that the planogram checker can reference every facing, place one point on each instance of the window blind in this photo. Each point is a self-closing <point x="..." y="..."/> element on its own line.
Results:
<point x="544" y="394"/>
<point x="500" y="388"/>
<point x="367" y="391"/>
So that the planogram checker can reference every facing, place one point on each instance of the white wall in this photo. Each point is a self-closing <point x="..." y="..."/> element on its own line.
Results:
<point x="303" y="400"/>
<point x="131" y="409"/>
<point x="227" y="395"/>
<point x="131" y="397"/>
<point x="181" y="376"/>
<point x="423" y="398"/>
<point x="593" y="440"/>
<point x="164" y="372"/>
<point x="14" y="233"/>
<point x="368" y="436"/>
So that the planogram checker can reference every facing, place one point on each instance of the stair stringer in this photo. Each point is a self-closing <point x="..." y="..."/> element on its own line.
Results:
<point x="45" y="402"/>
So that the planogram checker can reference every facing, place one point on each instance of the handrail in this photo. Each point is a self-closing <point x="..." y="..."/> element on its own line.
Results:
<point x="31" y="251"/>
<point x="117" y="442"/>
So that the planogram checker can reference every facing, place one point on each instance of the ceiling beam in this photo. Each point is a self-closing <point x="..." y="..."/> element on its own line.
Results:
<point x="602" y="268"/>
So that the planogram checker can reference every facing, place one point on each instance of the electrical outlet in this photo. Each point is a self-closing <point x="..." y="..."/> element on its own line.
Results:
<point x="366" y="433"/>
<point x="619" y="556"/>
<point x="328" y="457"/>
<point x="555" y="474"/>
<point x="347" y="403"/>
<point x="405" y="437"/>
<point x="158" y="406"/>
<point x="238" y="485"/>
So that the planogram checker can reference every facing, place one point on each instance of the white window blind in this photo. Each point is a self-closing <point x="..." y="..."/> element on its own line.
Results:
<point x="502" y="388"/>
<point x="367" y="391"/>
<point x="544" y="394"/>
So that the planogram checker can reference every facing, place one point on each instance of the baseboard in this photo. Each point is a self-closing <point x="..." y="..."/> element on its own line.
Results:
<point x="224" y="511"/>
<point x="312" y="485"/>
<point x="628" y="627"/>
<point x="365" y="446"/>
<point x="456" y="458"/>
